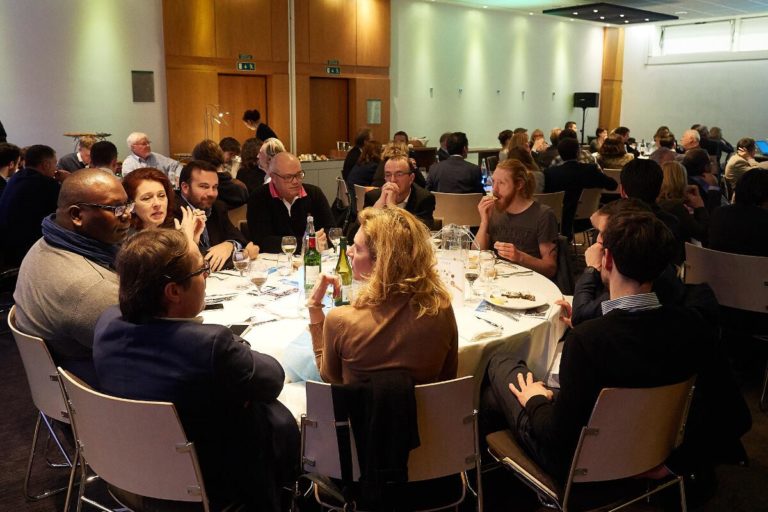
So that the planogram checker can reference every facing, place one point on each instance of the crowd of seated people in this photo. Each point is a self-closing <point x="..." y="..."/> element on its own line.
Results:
<point x="138" y="251"/>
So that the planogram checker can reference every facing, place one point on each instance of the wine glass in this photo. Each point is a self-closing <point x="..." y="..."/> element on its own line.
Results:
<point x="334" y="235"/>
<point x="288" y="245"/>
<point x="240" y="261"/>
<point x="258" y="274"/>
<point x="471" y="273"/>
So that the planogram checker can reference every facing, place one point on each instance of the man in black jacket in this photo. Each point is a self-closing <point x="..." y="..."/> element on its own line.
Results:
<point x="280" y="208"/>
<point x="572" y="177"/>
<point x="199" y="188"/>
<point x="400" y="190"/>
<point x="638" y="342"/>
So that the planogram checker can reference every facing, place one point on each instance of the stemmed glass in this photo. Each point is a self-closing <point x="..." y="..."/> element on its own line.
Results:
<point x="471" y="272"/>
<point x="334" y="235"/>
<point x="240" y="261"/>
<point x="288" y="245"/>
<point x="258" y="274"/>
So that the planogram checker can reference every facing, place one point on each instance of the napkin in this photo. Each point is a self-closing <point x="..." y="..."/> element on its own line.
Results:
<point x="472" y="328"/>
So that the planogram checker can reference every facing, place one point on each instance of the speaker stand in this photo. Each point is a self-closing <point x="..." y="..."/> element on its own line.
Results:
<point x="583" y="120"/>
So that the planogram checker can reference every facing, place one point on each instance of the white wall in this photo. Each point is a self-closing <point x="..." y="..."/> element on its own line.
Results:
<point x="482" y="51"/>
<point x="66" y="67"/>
<point x="725" y="94"/>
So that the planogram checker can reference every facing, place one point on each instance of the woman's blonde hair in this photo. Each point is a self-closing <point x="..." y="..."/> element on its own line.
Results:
<point x="675" y="181"/>
<point x="403" y="261"/>
<point x="519" y="173"/>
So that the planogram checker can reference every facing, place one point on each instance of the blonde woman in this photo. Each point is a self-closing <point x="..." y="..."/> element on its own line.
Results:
<point x="401" y="317"/>
<point x="683" y="201"/>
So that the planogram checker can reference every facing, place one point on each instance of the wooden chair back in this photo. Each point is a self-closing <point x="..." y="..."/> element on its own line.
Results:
<point x="459" y="209"/>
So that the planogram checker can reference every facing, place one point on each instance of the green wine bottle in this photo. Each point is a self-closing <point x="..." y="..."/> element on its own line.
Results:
<point x="344" y="271"/>
<point x="312" y="264"/>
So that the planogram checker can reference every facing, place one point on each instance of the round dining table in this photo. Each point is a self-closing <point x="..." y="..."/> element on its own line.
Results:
<point x="277" y="321"/>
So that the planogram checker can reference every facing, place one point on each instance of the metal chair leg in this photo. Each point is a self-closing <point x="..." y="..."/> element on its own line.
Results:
<point x="49" y="492"/>
<point x="765" y="389"/>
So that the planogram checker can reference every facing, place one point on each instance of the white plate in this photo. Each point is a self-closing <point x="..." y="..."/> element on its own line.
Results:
<point x="507" y="303"/>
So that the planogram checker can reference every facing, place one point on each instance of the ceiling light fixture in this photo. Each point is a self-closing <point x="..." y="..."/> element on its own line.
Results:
<point x="604" y="12"/>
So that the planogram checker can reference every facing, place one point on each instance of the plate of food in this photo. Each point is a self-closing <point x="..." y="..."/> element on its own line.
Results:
<point x="514" y="300"/>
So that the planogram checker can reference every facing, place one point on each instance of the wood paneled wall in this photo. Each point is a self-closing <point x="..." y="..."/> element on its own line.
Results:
<point x="613" y="77"/>
<point x="204" y="39"/>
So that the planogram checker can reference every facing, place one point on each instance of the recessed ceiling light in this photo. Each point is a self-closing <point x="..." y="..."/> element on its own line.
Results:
<point x="681" y="12"/>
<point x="575" y="13"/>
<point x="602" y="17"/>
<point x="594" y="10"/>
<point x="646" y="19"/>
<point x="626" y="21"/>
<point x="530" y="14"/>
<point x="621" y="15"/>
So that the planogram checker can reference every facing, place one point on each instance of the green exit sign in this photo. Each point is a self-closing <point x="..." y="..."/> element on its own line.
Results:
<point x="333" y="70"/>
<point x="246" y="66"/>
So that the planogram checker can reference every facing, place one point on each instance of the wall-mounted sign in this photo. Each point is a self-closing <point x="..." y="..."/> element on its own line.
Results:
<point x="333" y="62"/>
<point x="246" y="66"/>
<point x="244" y="56"/>
<point x="333" y="70"/>
<point x="373" y="111"/>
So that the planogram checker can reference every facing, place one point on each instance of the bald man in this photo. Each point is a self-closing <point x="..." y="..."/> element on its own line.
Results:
<point x="67" y="278"/>
<point x="280" y="208"/>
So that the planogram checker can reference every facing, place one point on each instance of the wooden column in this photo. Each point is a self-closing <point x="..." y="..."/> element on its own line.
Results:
<point x="613" y="76"/>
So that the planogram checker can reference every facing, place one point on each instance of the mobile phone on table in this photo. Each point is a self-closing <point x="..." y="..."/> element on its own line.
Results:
<point x="215" y="305"/>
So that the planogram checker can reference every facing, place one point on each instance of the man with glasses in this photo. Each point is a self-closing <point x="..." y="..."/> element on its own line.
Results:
<point x="280" y="208"/>
<point x="29" y="196"/>
<point x="199" y="188"/>
<point x="154" y="347"/>
<point x="400" y="190"/>
<point x="67" y="279"/>
<point x="142" y="156"/>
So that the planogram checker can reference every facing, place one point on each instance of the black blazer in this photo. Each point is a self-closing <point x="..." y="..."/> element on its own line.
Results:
<point x="421" y="203"/>
<point x="28" y="198"/>
<point x="572" y="177"/>
<point x="218" y="225"/>
<point x="455" y="175"/>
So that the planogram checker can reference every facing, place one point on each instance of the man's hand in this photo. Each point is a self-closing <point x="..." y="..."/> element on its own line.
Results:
<point x="218" y="255"/>
<point x="60" y="175"/>
<point x="484" y="207"/>
<point x="252" y="251"/>
<point x="593" y="256"/>
<point x="692" y="197"/>
<point x="509" y="252"/>
<point x="322" y="240"/>
<point x="529" y="389"/>
<point x="566" y="312"/>
<point x="389" y="192"/>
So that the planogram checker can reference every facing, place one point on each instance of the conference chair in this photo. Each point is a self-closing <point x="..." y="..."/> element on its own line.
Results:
<point x="459" y="209"/>
<point x="238" y="216"/>
<point x="360" y="192"/>
<point x="447" y="423"/>
<point x="737" y="280"/>
<point x="136" y="446"/>
<point x="630" y="434"/>
<point x="555" y="201"/>
<point x="47" y="397"/>
<point x="616" y="175"/>
<point x="589" y="203"/>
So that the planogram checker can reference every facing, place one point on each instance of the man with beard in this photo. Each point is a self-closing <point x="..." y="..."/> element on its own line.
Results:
<point x="520" y="229"/>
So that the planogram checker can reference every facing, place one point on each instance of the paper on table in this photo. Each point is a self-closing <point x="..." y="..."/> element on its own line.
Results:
<point x="472" y="328"/>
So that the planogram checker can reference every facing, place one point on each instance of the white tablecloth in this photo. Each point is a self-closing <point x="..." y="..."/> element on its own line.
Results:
<point x="532" y="338"/>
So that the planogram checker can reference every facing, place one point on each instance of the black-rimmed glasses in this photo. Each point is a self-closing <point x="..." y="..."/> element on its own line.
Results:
<point x="119" y="210"/>
<point x="205" y="270"/>
<point x="290" y="177"/>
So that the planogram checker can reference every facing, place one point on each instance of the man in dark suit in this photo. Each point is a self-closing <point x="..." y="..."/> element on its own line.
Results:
<point x="442" y="151"/>
<point x="199" y="188"/>
<point x="30" y="196"/>
<point x="400" y="190"/>
<point x="81" y="158"/>
<point x="572" y="177"/>
<point x="151" y="348"/>
<point x="455" y="174"/>
<point x="638" y="342"/>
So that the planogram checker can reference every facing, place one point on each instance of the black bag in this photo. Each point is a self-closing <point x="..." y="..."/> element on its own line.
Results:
<point x="342" y="205"/>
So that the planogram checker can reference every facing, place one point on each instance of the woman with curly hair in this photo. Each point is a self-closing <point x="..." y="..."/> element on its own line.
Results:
<point x="401" y="317"/>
